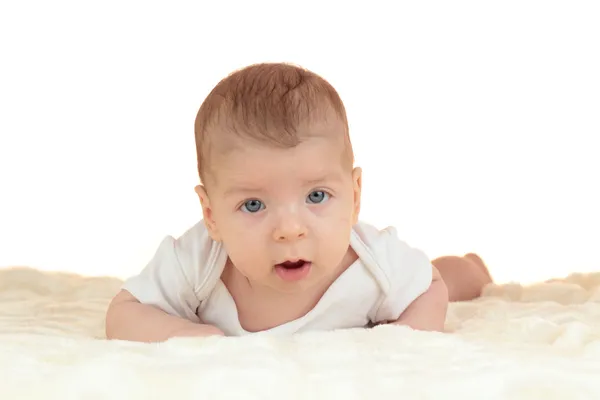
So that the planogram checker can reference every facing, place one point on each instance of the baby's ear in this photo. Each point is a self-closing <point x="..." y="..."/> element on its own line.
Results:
<point x="207" y="213"/>
<point x="357" y="188"/>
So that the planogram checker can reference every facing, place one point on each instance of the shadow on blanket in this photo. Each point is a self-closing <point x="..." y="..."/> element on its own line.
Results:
<point x="537" y="341"/>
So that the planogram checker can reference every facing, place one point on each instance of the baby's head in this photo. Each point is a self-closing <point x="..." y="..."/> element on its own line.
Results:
<point x="278" y="180"/>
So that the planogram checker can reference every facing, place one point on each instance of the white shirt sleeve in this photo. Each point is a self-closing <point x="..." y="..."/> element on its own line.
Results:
<point x="175" y="277"/>
<point x="409" y="273"/>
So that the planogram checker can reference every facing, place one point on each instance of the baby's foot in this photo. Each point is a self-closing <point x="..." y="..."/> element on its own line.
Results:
<point x="479" y="262"/>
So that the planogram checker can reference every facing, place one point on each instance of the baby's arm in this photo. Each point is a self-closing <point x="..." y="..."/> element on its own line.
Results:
<point x="428" y="311"/>
<point x="128" y="319"/>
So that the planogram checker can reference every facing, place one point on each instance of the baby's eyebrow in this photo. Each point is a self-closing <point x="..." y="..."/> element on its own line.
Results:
<point x="332" y="177"/>
<point x="241" y="189"/>
<point x="238" y="190"/>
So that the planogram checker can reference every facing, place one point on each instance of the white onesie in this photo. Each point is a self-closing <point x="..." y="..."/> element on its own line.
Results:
<point x="184" y="279"/>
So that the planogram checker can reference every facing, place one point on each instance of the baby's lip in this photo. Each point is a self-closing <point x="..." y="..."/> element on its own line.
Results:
<point x="300" y="263"/>
<point x="293" y="260"/>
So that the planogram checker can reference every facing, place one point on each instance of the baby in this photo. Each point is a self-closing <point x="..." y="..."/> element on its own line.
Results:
<point x="280" y="248"/>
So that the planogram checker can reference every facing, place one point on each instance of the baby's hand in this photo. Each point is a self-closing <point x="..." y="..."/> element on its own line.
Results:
<point x="197" y="330"/>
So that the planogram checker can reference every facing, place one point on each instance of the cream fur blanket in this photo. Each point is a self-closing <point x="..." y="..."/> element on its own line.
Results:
<point x="536" y="342"/>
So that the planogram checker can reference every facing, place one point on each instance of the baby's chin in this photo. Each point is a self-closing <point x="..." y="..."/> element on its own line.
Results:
<point x="316" y="280"/>
<point x="276" y="284"/>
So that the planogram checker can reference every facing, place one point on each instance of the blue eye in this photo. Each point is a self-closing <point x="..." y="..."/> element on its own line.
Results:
<point x="252" y="206"/>
<point x="318" y="196"/>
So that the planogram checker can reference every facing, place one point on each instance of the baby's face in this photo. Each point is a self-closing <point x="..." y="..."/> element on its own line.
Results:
<point x="284" y="215"/>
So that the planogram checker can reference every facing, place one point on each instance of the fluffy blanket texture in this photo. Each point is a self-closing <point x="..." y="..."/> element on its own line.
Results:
<point x="535" y="342"/>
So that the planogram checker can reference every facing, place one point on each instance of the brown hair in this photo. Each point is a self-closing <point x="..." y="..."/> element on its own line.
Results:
<point x="269" y="103"/>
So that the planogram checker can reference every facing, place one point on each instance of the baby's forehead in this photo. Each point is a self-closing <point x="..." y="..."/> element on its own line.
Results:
<point x="312" y="152"/>
<point x="245" y="163"/>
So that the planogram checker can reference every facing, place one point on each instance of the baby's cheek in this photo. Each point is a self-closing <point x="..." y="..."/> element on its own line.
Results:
<point x="336" y="243"/>
<point x="247" y="249"/>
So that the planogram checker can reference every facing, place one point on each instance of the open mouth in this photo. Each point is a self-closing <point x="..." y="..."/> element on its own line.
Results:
<point x="293" y="270"/>
<point x="293" y="264"/>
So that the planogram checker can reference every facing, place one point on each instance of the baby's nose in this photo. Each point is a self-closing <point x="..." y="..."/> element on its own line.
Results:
<point x="290" y="229"/>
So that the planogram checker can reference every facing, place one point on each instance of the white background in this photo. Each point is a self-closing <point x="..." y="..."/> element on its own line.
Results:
<point x="476" y="122"/>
